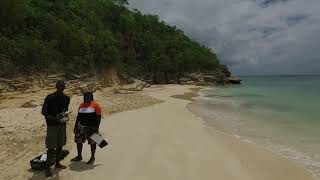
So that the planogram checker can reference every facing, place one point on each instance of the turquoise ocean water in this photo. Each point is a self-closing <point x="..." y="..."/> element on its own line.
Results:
<point x="281" y="113"/>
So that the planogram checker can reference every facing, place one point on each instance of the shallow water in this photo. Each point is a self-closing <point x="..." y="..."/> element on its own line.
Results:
<point x="281" y="113"/>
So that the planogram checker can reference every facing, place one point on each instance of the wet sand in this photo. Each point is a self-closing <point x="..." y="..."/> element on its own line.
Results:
<point x="166" y="141"/>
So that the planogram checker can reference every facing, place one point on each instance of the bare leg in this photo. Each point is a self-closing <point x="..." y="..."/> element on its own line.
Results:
<point x="79" y="149"/>
<point x="93" y="151"/>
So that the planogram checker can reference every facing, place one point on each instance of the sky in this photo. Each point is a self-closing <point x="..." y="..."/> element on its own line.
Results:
<point x="252" y="37"/>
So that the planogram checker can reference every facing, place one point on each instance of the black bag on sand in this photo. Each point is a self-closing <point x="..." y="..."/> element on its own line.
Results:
<point x="38" y="164"/>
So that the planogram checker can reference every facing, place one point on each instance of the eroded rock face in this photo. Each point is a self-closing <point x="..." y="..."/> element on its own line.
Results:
<point x="138" y="85"/>
<point x="36" y="83"/>
<point x="89" y="87"/>
<point x="185" y="79"/>
<point x="218" y="76"/>
<point x="210" y="78"/>
<point x="4" y="87"/>
<point x="197" y="77"/>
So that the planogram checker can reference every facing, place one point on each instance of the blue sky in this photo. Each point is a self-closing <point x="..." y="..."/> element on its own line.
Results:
<point x="250" y="36"/>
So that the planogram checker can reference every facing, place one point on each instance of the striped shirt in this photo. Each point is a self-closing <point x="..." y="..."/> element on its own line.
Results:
<point x="88" y="113"/>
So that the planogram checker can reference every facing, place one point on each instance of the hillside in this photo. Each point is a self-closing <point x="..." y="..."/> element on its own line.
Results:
<point x="92" y="36"/>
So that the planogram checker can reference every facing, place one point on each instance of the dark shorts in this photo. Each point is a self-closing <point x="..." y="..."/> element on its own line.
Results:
<point x="56" y="136"/>
<point x="83" y="133"/>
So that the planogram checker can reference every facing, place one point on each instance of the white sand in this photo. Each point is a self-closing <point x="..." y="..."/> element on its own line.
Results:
<point x="22" y="130"/>
<point x="167" y="142"/>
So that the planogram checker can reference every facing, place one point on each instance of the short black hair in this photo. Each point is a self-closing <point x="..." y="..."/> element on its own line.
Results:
<point x="60" y="83"/>
<point x="88" y="94"/>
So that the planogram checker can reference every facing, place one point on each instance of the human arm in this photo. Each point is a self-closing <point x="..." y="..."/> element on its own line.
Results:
<point x="76" y="124"/>
<point x="44" y="112"/>
<point x="98" y="113"/>
<point x="67" y="103"/>
<point x="98" y="122"/>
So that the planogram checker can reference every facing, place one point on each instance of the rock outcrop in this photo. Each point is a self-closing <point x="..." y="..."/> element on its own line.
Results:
<point x="234" y="80"/>
<point x="219" y="76"/>
<point x="36" y="83"/>
<point x="79" y="83"/>
<point x="30" y="104"/>
<point x="138" y="85"/>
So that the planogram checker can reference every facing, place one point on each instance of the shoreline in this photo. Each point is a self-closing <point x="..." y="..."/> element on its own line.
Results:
<point x="195" y="93"/>
<point x="299" y="159"/>
<point x="164" y="140"/>
<point x="167" y="141"/>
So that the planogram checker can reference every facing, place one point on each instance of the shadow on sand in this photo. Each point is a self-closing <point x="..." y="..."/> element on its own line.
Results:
<point x="74" y="166"/>
<point x="39" y="175"/>
<point x="82" y="166"/>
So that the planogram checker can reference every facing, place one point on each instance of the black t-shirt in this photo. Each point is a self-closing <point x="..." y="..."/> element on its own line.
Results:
<point x="55" y="104"/>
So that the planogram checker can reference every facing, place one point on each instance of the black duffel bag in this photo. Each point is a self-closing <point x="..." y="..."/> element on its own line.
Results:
<point x="36" y="164"/>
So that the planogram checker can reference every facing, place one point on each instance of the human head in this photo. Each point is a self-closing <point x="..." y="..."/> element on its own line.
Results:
<point x="87" y="97"/>
<point x="60" y="85"/>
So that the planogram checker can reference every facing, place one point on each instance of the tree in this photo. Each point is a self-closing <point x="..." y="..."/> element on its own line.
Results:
<point x="94" y="35"/>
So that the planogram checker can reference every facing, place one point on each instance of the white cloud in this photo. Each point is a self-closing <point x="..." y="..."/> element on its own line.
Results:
<point x="279" y="36"/>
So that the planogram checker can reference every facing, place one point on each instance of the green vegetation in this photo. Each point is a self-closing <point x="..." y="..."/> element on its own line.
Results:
<point x="90" y="36"/>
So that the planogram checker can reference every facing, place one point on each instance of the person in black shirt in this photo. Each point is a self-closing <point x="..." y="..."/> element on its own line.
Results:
<point x="55" y="104"/>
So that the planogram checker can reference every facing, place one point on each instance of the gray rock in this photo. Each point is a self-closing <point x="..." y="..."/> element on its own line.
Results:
<point x="6" y="87"/>
<point x="188" y="83"/>
<point x="234" y="80"/>
<point x="29" y="104"/>
<point x="185" y="79"/>
<point x="89" y="87"/>
<point x="210" y="78"/>
<point x="138" y="85"/>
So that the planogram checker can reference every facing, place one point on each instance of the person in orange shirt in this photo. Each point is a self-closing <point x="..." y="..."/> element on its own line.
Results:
<point x="87" y="123"/>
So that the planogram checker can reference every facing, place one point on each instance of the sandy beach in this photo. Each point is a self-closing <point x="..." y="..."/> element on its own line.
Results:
<point x="23" y="129"/>
<point x="161" y="140"/>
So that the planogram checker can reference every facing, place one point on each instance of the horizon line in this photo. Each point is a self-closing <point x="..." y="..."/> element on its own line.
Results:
<point x="280" y="75"/>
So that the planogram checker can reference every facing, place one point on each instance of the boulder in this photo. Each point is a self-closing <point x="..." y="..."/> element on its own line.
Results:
<point x="185" y="79"/>
<point x="89" y="87"/>
<point x="78" y="77"/>
<point x="188" y="83"/>
<point x="202" y="83"/>
<point x="5" y="88"/>
<point x="197" y="77"/>
<point x="126" y="79"/>
<point x="234" y="80"/>
<point x="138" y="85"/>
<point x="29" y="104"/>
<point x="171" y="81"/>
<point x="210" y="78"/>
<point x="149" y="81"/>
<point x="21" y="85"/>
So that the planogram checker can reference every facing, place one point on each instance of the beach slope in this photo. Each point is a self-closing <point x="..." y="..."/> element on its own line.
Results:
<point x="166" y="141"/>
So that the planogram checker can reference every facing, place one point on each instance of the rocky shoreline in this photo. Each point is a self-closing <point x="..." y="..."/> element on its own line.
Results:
<point x="78" y="83"/>
<point x="121" y="83"/>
